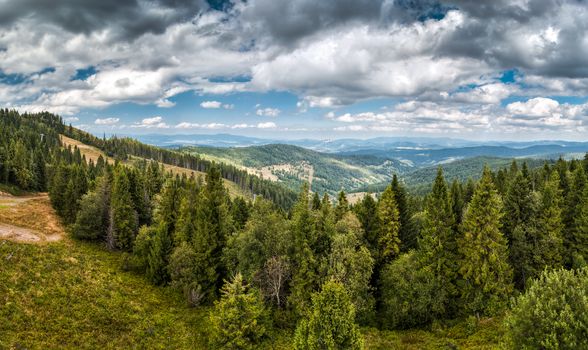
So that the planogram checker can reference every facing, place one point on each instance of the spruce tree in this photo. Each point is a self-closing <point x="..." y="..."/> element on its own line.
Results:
<point x="239" y="319"/>
<point x="388" y="215"/>
<point x="405" y="234"/>
<point x="457" y="202"/>
<point x="123" y="217"/>
<point x="342" y="206"/>
<point x="550" y="230"/>
<point x="306" y="274"/>
<point x="484" y="268"/>
<point x="438" y="246"/>
<point x="580" y="233"/>
<point x="571" y="215"/>
<point x="331" y="322"/>
<point x="367" y="213"/>
<point x="520" y="227"/>
<point x="214" y="225"/>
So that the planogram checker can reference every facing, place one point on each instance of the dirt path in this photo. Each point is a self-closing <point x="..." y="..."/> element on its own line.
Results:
<point x="29" y="219"/>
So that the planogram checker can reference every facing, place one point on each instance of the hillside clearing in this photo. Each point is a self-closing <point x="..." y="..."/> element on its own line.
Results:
<point x="93" y="153"/>
<point x="29" y="219"/>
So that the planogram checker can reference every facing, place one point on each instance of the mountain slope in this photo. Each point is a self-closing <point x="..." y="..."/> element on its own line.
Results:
<point x="419" y="181"/>
<point x="291" y="165"/>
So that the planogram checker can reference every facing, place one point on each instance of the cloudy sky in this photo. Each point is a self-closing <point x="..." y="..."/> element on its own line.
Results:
<point x="503" y="69"/>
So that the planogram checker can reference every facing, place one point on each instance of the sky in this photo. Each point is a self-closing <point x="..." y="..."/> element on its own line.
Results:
<point x="492" y="70"/>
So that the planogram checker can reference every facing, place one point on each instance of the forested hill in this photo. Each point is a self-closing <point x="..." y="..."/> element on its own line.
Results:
<point x="292" y="165"/>
<point x="418" y="181"/>
<point x="123" y="148"/>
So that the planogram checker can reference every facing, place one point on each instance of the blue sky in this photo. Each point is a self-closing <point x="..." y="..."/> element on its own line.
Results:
<point x="301" y="68"/>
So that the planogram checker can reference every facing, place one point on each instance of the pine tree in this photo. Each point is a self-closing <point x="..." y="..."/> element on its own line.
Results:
<point x="572" y="211"/>
<point x="239" y="319"/>
<point x="214" y="225"/>
<point x="388" y="215"/>
<point x="520" y="227"/>
<point x="580" y="233"/>
<point x="457" y="202"/>
<point x="331" y="323"/>
<point x="550" y="241"/>
<point x="342" y="206"/>
<point x="187" y="224"/>
<point x="407" y="238"/>
<point x="367" y="213"/>
<point x="484" y="266"/>
<point x="438" y="246"/>
<point x="306" y="275"/>
<point x="123" y="217"/>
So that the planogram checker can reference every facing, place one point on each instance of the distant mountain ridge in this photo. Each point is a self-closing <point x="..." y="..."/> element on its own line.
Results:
<point x="341" y="145"/>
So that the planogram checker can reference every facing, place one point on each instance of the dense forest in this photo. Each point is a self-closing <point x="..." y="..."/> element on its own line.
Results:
<point x="514" y="243"/>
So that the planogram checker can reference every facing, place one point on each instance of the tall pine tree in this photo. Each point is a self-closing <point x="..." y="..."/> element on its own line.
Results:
<point x="484" y="268"/>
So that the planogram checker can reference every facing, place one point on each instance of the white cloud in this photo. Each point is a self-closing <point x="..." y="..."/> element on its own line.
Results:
<point x="211" y="104"/>
<point x="71" y="119"/>
<point x="268" y="112"/>
<point x="106" y="121"/>
<point x="268" y="125"/>
<point x="151" y="123"/>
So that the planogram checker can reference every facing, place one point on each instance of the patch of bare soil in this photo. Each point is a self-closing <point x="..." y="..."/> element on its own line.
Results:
<point x="29" y="219"/>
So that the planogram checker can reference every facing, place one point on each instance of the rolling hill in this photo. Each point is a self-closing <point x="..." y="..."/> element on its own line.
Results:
<point x="291" y="165"/>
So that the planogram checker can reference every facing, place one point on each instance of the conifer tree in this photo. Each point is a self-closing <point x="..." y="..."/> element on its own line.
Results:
<point x="342" y="206"/>
<point x="306" y="277"/>
<point x="484" y="268"/>
<point x="316" y="201"/>
<point x="388" y="215"/>
<point x="457" y="202"/>
<point x="92" y="218"/>
<point x="331" y="322"/>
<point x="239" y="319"/>
<point x="351" y="264"/>
<point x="123" y="217"/>
<point x="550" y="230"/>
<point x="580" y="233"/>
<point x="405" y="234"/>
<point x="187" y="223"/>
<point x="367" y="213"/>
<point x="571" y="215"/>
<point x="438" y="246"/>
<point x="214" y="225"/>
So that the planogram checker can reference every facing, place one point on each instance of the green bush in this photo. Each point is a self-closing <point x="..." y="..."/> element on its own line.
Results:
<point x="552" y="314"/>
<point x="409" y="294"/>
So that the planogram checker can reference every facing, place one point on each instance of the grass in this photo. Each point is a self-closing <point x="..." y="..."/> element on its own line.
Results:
<point x="73" y="294"/>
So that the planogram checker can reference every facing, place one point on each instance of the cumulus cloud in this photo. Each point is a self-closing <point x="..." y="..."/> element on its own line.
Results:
<point x="211" y="104"/>
<point x="268" y="112"/>
<point x="267" y="125"/>
<point x="329" y="54"/>
<point x="151" y="123"/>
<point x="106" y="121"/>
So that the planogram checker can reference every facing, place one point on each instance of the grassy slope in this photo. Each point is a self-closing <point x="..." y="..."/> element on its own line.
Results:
<point x="92" y="153"/>
<point x="73" y="294"/>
